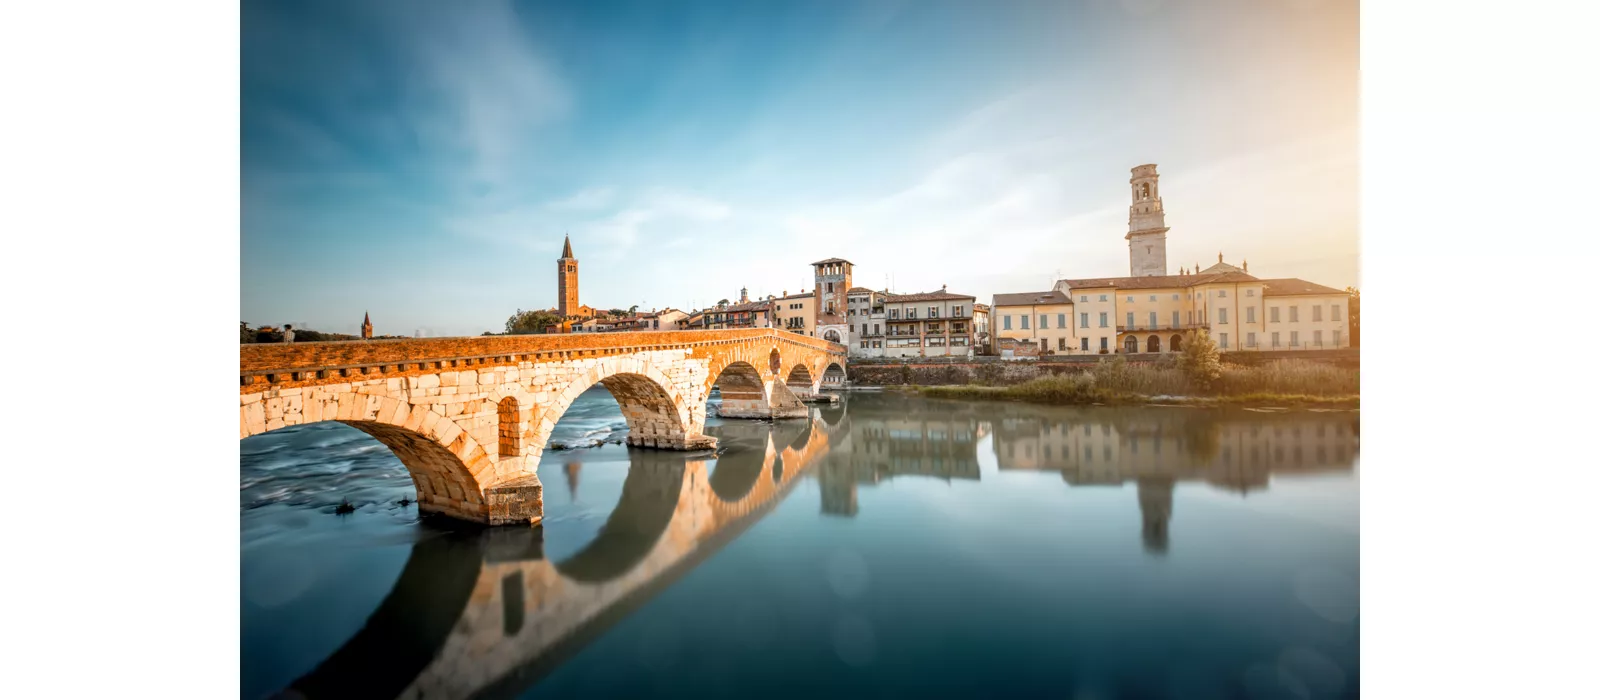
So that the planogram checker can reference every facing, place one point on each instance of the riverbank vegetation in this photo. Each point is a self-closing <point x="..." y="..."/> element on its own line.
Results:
<point x="1195" y="376"/>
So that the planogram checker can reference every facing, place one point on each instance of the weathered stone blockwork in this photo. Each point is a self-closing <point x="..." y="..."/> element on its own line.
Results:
<point x="470" y="417"/>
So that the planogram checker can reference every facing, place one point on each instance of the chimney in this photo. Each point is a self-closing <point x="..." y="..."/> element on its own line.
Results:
<point x="1247" y="266"/>
<point x="942" y="287"/>
<point x="1219" y="256"/>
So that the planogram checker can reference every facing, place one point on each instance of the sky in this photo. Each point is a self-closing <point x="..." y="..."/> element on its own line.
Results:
<point x="422" y="161"/>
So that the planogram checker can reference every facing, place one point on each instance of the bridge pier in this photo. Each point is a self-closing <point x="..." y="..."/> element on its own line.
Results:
<point x="516" y="502"/>
<point x="666" y="442"/>
<point x="785" y="403"/>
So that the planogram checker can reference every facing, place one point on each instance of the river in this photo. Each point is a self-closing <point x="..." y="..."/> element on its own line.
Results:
<point x="890" y="545"/>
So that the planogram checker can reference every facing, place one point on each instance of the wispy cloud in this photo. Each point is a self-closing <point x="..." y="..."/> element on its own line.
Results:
<point x="665" y="202"/>
<point x="620" y="232"/>
<point x="585" y="200"/>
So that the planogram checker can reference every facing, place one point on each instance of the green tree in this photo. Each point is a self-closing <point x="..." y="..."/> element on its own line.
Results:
<point x="525" y="322"/>
<point x="633" y="309"/>
<point x="245" y="334"/>
<point x="1201" y="362"/>
<point x="1355" y="316"/>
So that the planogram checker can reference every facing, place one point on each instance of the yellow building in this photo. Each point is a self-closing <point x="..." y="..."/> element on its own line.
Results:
<point x="796" y="312"/>
<point x="1041" y="318"/>
<point x="1153" y="312"/>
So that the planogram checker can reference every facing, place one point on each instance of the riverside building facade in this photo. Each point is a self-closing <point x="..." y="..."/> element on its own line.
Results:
<point x="1151" y="311"/>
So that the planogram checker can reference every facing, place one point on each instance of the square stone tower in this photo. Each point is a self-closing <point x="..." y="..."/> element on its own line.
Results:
<point x="566" y="281"/>
<point x="1147" y="225"/>
<point x="833" y="285"/>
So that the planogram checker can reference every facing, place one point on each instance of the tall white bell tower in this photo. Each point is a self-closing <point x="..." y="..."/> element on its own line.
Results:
<point x="1147" y="225"/>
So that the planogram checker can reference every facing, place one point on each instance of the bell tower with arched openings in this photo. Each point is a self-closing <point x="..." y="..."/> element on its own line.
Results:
<point x="1147" y="225"/>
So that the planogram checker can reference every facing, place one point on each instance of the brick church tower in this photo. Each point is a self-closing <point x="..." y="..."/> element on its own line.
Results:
<point x="566" y="281"/>
<point x="366" y="326"/>
<point x="1147" y="225"/>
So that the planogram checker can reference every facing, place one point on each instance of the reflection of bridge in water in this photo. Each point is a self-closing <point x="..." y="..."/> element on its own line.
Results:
<point x="484" y="613"/>
<point x="1155" y="448"/>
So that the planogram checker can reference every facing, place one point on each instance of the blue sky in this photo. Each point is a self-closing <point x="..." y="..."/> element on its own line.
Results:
<point x="422" y="160"/>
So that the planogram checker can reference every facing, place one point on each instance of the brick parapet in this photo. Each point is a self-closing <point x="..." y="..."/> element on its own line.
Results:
<point x="290" y="365"/>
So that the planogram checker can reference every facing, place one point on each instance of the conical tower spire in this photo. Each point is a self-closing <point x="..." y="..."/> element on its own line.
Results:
<point x="566" y="247"/>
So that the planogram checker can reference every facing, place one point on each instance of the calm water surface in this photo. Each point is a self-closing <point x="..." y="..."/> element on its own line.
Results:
<point x="888" y="546"/>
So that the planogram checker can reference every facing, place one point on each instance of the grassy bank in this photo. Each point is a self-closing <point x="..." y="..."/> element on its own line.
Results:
<point x="1282" y="383"/>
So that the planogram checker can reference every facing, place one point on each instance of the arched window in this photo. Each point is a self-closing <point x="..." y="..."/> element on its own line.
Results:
<point x="1131" y="344"/>
<point x="1144" y="191"/>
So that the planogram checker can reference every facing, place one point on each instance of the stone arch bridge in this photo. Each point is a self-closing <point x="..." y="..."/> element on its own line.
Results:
<point x="470" y="417"/>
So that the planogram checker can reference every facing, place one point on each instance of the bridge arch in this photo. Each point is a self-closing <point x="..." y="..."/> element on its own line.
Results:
<point x="656" y="413"/>
<point x="800" y="380"/>
<point x="744" y="394"/>
<point x="449" y="469"/>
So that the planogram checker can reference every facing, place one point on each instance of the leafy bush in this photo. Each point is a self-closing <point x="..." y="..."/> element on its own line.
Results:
<point x="1200" y="361"/>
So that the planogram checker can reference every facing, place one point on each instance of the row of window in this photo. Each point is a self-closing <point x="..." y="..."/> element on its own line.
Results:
<point x="1294" y="339"/>
<point x="933" y="312"/>
<point x="1222" y="317"/>
<point x="909" y="330"/>
<point x="1221" y="294"/>
<point x="959" y="341"/>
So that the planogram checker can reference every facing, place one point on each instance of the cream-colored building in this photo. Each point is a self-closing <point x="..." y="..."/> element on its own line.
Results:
<point x="1153" y="312"/>
<point x="980" y="327"/>
<point x="865" y="317"/>
<point x="930" y="324"/>
<point x="1044" y="318"/>
<point x="796" y="313"/>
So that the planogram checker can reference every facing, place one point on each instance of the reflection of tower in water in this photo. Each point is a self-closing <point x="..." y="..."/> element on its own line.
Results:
<point x="572" y="469"/>
<point x="1155" y="505"/>
<point x="838" y="489"/>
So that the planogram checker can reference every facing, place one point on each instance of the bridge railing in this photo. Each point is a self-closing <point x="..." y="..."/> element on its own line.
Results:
<point x="294" y="362"/>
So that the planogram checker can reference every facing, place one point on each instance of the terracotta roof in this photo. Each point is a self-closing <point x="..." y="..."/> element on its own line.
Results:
<point x="927" y="296"/>
<point x="830" y="261"/>
<point x="747" y="306"/>
<point x="1290" y="286"/>
<point x="803" y="295"/>
<point x="1030" y="298"/>
<point x="1157" y="281"/>
<point x="858" y="290"/>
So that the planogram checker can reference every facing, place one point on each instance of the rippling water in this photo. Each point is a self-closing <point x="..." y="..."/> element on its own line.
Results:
<point x="892" y="545"/>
